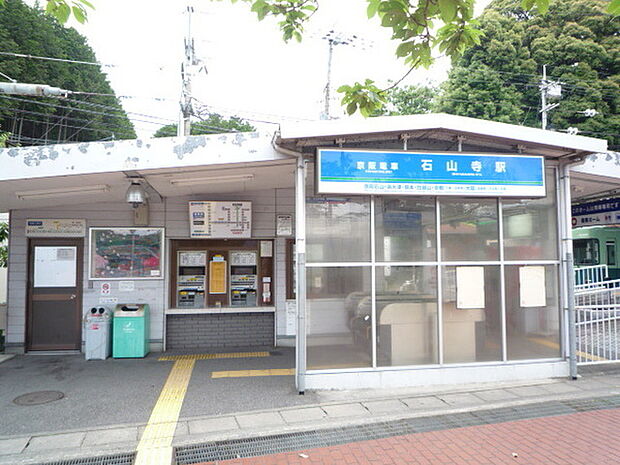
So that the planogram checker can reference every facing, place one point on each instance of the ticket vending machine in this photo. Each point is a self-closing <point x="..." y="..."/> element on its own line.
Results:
<point x="191" y="279"/>
<point x="243" y="279"/>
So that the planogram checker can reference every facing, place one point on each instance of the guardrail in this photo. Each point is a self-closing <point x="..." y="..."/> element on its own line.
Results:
<point x="586" y="276"/>
<point x="597" y="314"/>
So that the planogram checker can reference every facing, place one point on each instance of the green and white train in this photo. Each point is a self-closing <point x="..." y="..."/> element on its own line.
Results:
<point x="597" y="245"/>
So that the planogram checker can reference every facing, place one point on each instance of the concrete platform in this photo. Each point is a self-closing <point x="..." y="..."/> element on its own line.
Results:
<point x="107" y="404"/>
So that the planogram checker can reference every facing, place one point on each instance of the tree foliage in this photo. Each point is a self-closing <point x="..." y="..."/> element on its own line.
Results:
<point x="418" y="27"/>
<point x="499" y="78"/>
<point x="62" y="10"/>
<point x="214" y="124"/>
<point x="410" y="100"/>
<point x="29" y="31"/>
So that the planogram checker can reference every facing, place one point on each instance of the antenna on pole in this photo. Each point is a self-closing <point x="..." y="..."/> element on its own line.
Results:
<point x="188" y="67"/>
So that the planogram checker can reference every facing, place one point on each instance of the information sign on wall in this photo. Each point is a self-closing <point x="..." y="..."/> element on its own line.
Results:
<point x="343" y="171"/>
<point x="220" y="220"/>
<point x="55" y="228"/>
<point x="601" y="212"/>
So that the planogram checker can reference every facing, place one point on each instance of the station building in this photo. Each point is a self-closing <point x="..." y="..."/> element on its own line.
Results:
<point x="392" y="251"/>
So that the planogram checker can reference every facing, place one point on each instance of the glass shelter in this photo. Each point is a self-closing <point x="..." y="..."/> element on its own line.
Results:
<point x="399" y="282"/>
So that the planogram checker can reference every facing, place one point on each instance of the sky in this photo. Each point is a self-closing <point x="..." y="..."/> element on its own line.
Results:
<point x="251" y="72"/>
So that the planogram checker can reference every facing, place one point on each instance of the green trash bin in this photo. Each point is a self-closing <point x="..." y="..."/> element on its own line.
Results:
<point x="130" y="331"/>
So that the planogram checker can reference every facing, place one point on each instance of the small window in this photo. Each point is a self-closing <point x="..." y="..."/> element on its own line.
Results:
<point x="610" y="248"/>
<point x="586" y="252"/>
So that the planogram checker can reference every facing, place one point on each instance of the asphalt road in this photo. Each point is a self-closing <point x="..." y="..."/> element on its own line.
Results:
<point x="124" y="391"/>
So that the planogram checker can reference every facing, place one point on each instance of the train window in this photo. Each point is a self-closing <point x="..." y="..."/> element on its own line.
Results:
<point x="586" y="251"/>
<point x="610" y="248"/>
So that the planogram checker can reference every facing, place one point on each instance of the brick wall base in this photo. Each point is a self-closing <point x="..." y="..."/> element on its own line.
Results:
<point x="219" y="331"/>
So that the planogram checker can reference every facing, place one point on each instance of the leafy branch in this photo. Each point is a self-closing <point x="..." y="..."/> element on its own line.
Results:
<point x="4" y="252"/>
<point x="63" y="9"/>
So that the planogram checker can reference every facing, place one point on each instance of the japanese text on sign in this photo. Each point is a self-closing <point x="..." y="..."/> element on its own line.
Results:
<point x="368" y="172"/>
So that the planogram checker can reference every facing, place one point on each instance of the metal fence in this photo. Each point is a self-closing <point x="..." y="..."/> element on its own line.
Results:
<point x="590" y="276"/>
<point x="597" y="313"/>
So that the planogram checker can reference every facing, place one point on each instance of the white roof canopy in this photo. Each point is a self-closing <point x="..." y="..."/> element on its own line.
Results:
<point x="34" y="177"/>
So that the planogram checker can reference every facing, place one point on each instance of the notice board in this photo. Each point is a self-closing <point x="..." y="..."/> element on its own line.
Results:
<point x="217" y="277"/>
<point x="220" y="220"/>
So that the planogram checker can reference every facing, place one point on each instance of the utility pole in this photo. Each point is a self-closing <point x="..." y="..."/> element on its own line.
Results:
<point x="334" y="38"/>
<point x="189" y="60"/>
<point x="548" y="89"/>
<point x="327" y="96"/>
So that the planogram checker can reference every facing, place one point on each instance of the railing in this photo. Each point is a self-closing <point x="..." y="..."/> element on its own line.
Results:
<point x="597" y="314"/>
<point x="590" y="276"/>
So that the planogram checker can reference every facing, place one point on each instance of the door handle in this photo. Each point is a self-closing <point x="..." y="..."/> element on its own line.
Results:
<point x="73" y="296"/>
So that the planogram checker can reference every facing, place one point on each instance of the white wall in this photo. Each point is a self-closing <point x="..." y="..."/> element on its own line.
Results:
<point x="171" y="214"/>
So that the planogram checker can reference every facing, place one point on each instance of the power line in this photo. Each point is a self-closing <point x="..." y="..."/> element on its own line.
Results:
<point x="60" y="60"/>
<point x="100" y="105"/>
<point x="72" y="118"/>
<point x="81" y="110"/>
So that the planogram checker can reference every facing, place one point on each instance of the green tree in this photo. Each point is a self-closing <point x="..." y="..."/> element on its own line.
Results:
<point x="4" y="250"/>
<point x="413" y="24"/>
<point x="214" y="124"/>
<point x="417" y="26"/>
<point x="62" y="10"/>
<point x="27" y="30"/>
<point x="499" y="78"/>
<point x="410" y="100"/>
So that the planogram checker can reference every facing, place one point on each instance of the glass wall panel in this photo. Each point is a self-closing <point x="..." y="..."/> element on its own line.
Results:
<point x="530" y="225"/>
<point x="532" y="312"/>
<point x="338" y="229"/>
<point x="406" y="315"/>
<point x="471" y="314"/>
<point x="405" y="229"/>
<point x="338" y="324"/>
<point x="469" y="229"/>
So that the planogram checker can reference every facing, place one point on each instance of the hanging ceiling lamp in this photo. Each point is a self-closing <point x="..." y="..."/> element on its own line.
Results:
<point x="136" y="195"/>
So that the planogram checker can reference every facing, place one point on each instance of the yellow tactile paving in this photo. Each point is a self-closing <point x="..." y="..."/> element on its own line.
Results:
<point x="155" y="446"/>
<point x="252" y="373"/>
<point x="172" y="358"/>
<point x="555" y="345"/>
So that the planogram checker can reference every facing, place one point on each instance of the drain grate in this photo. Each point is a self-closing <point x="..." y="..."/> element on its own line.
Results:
<point x="118" y="459"/>
<point x="253" y="447"/>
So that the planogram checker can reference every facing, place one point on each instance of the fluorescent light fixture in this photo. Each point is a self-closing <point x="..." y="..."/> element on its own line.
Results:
<point x="210" y="179"/>
<point x="62" y="192"/>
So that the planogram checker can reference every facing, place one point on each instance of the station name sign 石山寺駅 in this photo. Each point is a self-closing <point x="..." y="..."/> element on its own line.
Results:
<point x="343" y="171"/>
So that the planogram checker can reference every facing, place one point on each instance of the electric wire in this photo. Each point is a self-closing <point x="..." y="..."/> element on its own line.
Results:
<point x="72" y="118"/>
<point x="92" y="112"/>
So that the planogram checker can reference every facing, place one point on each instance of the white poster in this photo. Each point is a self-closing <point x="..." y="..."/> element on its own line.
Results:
<point x="470" y="287"/>
<point x="266" y="249"/>
<point x="284" y="225"/>
<point x="532" y="289"/>
<point x="220" y="220"/>
<point x="55" y="266"/>
<point x="291" y="317"/>
<point x="126" y="286"/>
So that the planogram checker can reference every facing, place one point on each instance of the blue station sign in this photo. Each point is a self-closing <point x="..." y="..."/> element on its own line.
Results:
<point x="344" y="171"/>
